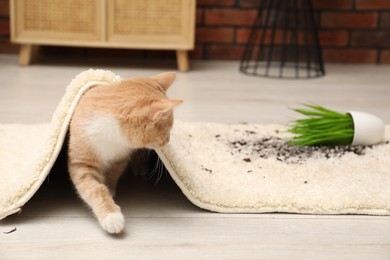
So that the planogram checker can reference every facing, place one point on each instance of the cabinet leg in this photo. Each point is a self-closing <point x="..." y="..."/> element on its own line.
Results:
<point x="27" y="54"/>
<point x="182" y="60"/>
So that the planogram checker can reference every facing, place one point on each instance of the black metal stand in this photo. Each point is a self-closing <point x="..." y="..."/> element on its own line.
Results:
<point x="283" y="42"/>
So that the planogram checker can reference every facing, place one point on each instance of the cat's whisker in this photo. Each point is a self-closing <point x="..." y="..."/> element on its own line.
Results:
<point x="160" y="171"/>
<point x="150" y="174"/>
<point x="154" y="171"/>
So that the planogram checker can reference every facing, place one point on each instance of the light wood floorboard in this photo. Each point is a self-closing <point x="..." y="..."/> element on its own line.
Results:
<point x="161" y="222"/>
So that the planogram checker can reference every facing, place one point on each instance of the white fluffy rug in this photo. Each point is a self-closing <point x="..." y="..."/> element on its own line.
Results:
<point x="225" y="168"/>
<point x="250" y="168"/>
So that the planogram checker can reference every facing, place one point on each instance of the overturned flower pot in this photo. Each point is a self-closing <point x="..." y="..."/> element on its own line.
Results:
<point x="323" y="126"/>
<point x="368" y="129"/>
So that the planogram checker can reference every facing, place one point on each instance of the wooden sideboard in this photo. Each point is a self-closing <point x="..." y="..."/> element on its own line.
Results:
<point x="133" y="24"/>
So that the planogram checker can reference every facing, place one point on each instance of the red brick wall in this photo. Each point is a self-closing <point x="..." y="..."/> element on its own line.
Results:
<point x="352" y="31"/>
<point x="5" y="45"/>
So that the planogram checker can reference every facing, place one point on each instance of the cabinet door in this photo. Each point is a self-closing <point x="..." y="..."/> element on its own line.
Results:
<point x="57" y="21"/>
<point x="158" y="24"/>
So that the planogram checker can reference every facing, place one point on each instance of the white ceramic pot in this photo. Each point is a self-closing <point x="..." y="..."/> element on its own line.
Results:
<point x="368" y="129"/>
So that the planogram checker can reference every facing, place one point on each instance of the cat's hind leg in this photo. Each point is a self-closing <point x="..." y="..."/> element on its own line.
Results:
<point x="114" y="173"/>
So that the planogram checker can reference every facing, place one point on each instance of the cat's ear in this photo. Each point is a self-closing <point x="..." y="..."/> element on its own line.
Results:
<point x="165" y="79"/>
<point x="162" y="107"/>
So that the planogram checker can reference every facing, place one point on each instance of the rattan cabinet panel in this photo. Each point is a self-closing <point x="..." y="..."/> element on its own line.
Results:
<point x="151" y="23"/>
<point x="48" y="21"/>
<point x="142" y="24"/>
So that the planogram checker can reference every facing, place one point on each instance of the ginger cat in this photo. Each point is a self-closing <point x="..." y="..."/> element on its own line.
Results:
<point x="108" y="125"/>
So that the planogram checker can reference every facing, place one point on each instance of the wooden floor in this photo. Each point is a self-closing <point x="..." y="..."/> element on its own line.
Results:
<point x="161" y="222"/>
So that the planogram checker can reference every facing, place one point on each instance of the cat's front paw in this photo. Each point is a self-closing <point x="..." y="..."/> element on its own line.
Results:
<point x="113" y="223"/>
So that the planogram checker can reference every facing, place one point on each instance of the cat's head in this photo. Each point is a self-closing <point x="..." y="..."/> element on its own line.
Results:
<point x="151" y="119"/>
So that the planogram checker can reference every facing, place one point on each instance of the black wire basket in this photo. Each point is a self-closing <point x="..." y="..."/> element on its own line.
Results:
<point x="283" y="42"/>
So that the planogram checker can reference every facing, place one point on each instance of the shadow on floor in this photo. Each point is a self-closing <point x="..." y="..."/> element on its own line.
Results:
<point x="57" y="196"/>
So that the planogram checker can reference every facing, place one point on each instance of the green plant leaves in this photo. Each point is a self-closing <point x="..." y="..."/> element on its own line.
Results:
<point x="321" y="126"/>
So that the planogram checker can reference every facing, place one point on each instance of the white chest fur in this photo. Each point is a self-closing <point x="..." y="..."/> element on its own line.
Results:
<point x="106" y="138"/>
